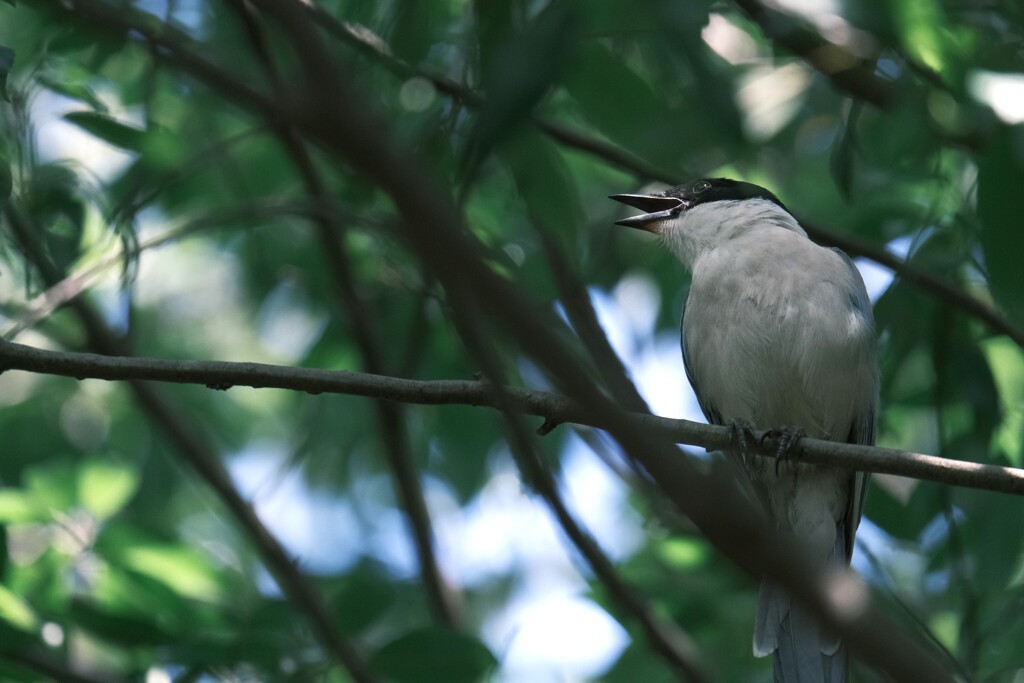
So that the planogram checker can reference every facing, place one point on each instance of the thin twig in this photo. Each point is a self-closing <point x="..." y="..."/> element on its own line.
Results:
<point x="223" y="375"/>
<point x="981" y="310"/>
<point x="847" y="72"/>
<point x="60" y="293"/>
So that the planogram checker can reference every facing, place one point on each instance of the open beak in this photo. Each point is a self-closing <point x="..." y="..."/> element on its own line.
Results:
<point x="657" y="209"/>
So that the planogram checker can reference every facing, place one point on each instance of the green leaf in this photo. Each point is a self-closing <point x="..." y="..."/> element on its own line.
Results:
<point x="995" y="546"/>
<point x="430" y="654"/>
<point x="519" y="76"/>
<point x="183" y="569"/>
<point x="6" y="182"/>
<point x="108" y="129"/>
<point x="73" y="82"/>
<point x="623" y="105"/>
<point x="415" y="27"/>
<point x="545" y="184"/>
<point x="18" y="506"/>
<point x="15" y="611"/>
<point x="1000" y="207"/>
<point x="595" y="72"/>
<point x="6" y="64"/>
<point x="52" y="485"/>
<point x="842" y="157"/>
<point x="125" y="629"/>
<point x="363" y="597"/>
<point x="105" y="487"/>
<point x="55" y="203"/>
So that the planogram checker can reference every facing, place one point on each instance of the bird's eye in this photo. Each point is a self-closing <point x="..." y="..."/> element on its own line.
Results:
<point x="702" y="186"/>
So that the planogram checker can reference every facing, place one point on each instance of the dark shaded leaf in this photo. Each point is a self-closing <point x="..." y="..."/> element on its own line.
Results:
<point x="6" y="182"/>
<point x="907" y="520"/>
<point x="55" y="205"/>
<point x="545" y="184"/>
<point x="6" y="64"/>
<point x="1000" y="207"/>
<point x="994" y="544"/>
<point x="463" y="441"/>
<point x="595" y="72"/>
<point x="75" y="90"/>
<point x="362" y="598"/>
<point x="108" y="129"/>
<point x="123" y="629"/>
<point x="428" y="655"/>
<point x="494" y="21"/>
<point x="1002" y="653"/>
<point x="5" y="557"/>
<point x="519" y="76"/>
<point x="414" y="29"/>
<point x="842" y="158"/>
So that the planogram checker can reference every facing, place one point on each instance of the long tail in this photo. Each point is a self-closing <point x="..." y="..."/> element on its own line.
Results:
<point x="804" y="653"/>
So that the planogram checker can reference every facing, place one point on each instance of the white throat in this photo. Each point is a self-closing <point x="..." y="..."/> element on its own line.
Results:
<point x="707" y="226"/>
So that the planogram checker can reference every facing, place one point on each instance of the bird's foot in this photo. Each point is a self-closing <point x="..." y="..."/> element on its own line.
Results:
<point x="786" y="439"/>
<point x="742" y="435"/>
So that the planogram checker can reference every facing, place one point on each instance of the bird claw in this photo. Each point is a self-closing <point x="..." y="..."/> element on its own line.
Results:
<point x="786" y="439"/>
<point x="742" y="435"/>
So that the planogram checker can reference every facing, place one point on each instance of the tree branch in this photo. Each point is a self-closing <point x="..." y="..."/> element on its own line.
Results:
<point x="393" y="429"/>
<point x="222" y="375"/>
<point x="848" y="73"/>
<point x="982" y="310"/>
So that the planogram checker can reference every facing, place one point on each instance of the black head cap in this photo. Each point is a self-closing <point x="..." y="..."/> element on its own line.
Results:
<point x="663" y="206"/>
<point x="708" y="190"/>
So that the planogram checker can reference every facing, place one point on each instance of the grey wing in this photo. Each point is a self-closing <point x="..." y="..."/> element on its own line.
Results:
<point x="710" y="413"/>
<point x="862" y="431"/>
<point x="859" y="299"/>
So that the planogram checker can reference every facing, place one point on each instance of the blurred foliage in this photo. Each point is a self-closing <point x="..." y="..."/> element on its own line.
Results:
<point x="116" y="561"/>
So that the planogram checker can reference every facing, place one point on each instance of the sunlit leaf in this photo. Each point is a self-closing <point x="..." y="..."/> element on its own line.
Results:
<point x="17" y="506"/>
<point x="183" y="569"/>
<point x="104" y="487"/>
<point x="52" y="485"/>
<point x="15" y="611"/>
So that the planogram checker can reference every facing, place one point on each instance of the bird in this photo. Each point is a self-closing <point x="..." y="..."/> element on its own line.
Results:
<point x="777" y="332"/>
